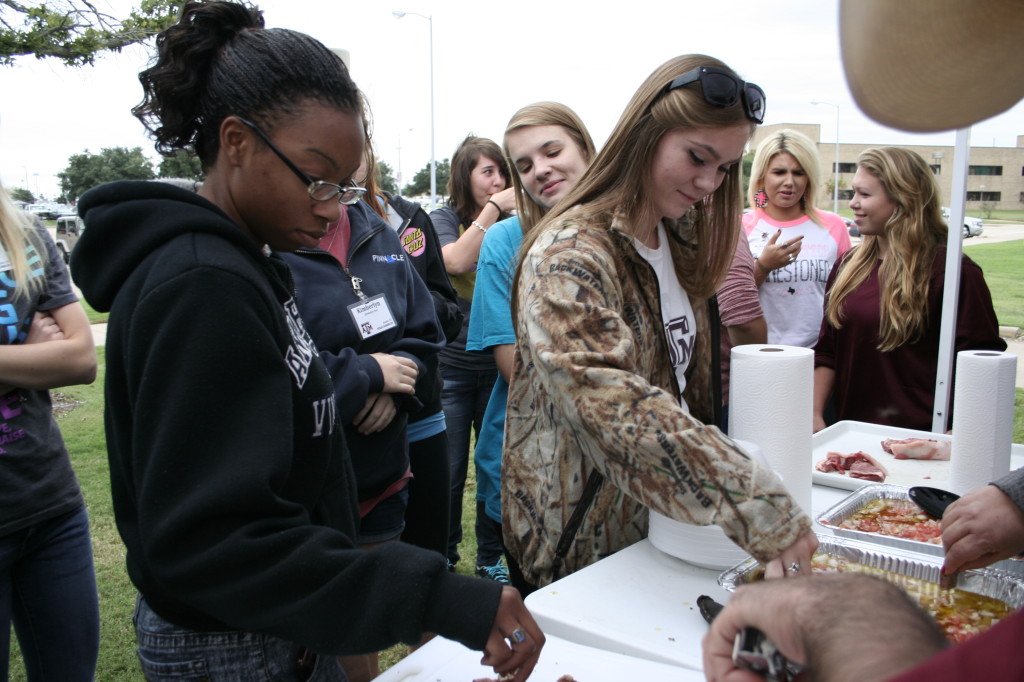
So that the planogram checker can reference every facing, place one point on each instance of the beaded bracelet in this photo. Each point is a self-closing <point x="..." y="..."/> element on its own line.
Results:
<point x="478" y="226"/>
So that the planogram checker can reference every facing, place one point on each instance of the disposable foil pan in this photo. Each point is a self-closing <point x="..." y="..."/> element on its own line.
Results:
<point x="989" y="582"/>
<point x="849" y="506"/>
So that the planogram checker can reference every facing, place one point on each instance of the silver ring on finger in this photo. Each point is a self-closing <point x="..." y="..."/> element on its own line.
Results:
<point x="793" y="568"/>
<point x="518" y="636"/>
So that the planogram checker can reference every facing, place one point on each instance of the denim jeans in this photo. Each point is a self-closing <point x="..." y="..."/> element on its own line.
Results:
<point x="464" y="398"/>
<point x="171" y="653"/>
<point x="48" y="590"/>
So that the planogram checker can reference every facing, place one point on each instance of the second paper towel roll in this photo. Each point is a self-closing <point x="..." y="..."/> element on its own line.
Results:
<point x="771" y="392"/>
<point x="982" y="418"/>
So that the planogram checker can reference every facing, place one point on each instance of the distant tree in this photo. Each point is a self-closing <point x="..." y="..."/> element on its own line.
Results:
<point x="829" y="185"/>
<point x="386" y="177"/>
<point x="87" y="170"/>
<point x="421" y="181"/>
<point x="183" y="164"/>
<point x="22" y="194"/>
<point x="74" y="31"/>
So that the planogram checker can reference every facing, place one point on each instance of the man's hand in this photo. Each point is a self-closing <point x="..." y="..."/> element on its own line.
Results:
<point x="982" y="527"/>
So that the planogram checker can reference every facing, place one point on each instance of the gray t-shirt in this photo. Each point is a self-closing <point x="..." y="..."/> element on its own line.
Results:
<point x="36" y="479"/>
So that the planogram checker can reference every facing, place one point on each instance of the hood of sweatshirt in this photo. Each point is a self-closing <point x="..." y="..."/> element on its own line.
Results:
<point x="127" y="220"/>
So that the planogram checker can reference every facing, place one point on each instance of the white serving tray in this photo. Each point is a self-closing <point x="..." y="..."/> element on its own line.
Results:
<point x="442" y="660"/>
<point x="851" y="436"/>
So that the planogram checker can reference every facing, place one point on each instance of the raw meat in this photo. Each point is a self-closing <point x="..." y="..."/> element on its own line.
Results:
<point x="917" y="448"/>
<point x="859" y="465"/>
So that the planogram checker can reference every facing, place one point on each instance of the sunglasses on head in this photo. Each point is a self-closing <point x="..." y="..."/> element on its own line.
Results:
<point x="722" y="89"/>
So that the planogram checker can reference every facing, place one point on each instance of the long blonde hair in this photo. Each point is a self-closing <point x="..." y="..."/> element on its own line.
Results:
<point x="800" y="147"/>
<point x="913" y="234"/>
<point x="543" y="114"/>
<point x="16" y="233"/>
<point x="616" y="182"/>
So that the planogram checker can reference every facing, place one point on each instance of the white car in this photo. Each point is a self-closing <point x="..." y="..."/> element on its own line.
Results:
<point x="972" y="226"/>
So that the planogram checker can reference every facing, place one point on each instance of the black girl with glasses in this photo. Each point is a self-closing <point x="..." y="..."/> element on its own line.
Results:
<point x="611" y="383"/>
<point x="232" y="485"/>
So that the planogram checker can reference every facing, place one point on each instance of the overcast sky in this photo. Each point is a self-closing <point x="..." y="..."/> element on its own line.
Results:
<point x="490" y="58"/>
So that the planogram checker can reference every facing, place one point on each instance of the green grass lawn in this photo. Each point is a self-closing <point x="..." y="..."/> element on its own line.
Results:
<point x="1003" y="264"/>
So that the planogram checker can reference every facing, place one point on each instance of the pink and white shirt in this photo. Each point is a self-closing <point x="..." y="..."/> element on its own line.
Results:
<point x="793" y="296"/>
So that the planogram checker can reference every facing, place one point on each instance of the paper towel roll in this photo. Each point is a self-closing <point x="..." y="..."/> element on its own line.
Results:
<point x="982" y="418"/>
<point x="770" y="403"/>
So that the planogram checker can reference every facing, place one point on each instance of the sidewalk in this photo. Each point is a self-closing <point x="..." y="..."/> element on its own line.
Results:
<point x="99" y="334"/>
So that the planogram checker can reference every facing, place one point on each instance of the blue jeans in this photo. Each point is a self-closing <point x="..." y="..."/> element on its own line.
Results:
<point x="171" y="653"/>
<point x="48" y="590"/>
<point x="464" y="398"/>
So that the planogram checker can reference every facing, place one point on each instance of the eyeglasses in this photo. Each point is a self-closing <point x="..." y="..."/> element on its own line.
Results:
<point x="722" y="89"/>
<point x="318" y="189"/>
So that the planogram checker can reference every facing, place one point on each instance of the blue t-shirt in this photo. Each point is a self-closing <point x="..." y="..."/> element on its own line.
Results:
<point x="491" y="325"/>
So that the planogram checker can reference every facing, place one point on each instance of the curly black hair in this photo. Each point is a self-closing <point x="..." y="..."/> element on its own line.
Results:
<point x="218" y="61"/>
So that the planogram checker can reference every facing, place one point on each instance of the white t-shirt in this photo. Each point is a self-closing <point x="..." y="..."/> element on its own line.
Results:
<point x="676" y="311"/>
<point x="792" y="296"/>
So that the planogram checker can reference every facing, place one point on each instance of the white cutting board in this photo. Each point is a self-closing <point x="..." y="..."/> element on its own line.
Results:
<point x="851" y="436"/>
<point x="638" y="601"/>
<point x="442" y="660"/>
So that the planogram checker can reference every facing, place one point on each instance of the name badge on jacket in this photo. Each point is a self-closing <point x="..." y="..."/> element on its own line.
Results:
<point x="372" y="316"/>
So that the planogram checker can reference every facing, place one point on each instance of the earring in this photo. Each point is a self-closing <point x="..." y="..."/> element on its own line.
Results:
<point x="760" y="198"/>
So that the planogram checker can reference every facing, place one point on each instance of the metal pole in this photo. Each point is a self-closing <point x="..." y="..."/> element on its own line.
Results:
<point x="835" y="187"/>
<point x="835" y="179"/>
<point x="433" y="158"/>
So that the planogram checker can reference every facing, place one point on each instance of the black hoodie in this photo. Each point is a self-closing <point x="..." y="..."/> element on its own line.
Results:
<point x="232" y="488"/>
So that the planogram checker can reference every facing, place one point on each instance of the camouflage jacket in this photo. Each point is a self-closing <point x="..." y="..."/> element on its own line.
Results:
<point x="592" y="387"/>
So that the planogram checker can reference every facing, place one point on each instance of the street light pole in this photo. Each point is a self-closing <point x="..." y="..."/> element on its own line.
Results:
<point x="835" y="181"/>
<point x="433" y="158"/>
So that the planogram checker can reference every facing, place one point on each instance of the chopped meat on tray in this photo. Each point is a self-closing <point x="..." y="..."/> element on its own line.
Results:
<point x="917" y="448"/>
<point x="859" y="465"/>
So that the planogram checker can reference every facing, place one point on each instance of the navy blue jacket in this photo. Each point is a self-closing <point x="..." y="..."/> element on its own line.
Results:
<point x="324" y="292"/>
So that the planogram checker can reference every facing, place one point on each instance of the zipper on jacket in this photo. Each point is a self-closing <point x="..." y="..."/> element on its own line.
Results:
<point x="356" y="281"/>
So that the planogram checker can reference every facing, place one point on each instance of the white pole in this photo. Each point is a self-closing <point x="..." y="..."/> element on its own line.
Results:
<point x="951" y="289"/>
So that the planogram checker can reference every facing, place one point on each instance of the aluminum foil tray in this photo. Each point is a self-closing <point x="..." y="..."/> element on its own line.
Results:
<point x="989" y="582"/>
<point x="849" y="506"/>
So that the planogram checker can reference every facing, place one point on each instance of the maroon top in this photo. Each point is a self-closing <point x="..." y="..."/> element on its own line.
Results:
<point x="896" y="388"/>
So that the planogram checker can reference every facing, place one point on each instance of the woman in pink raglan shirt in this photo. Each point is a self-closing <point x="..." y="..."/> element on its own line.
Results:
<point x="794" y="244"/>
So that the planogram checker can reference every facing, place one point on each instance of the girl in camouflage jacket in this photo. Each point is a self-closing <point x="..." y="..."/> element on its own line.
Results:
<point x="614" y="349"/>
